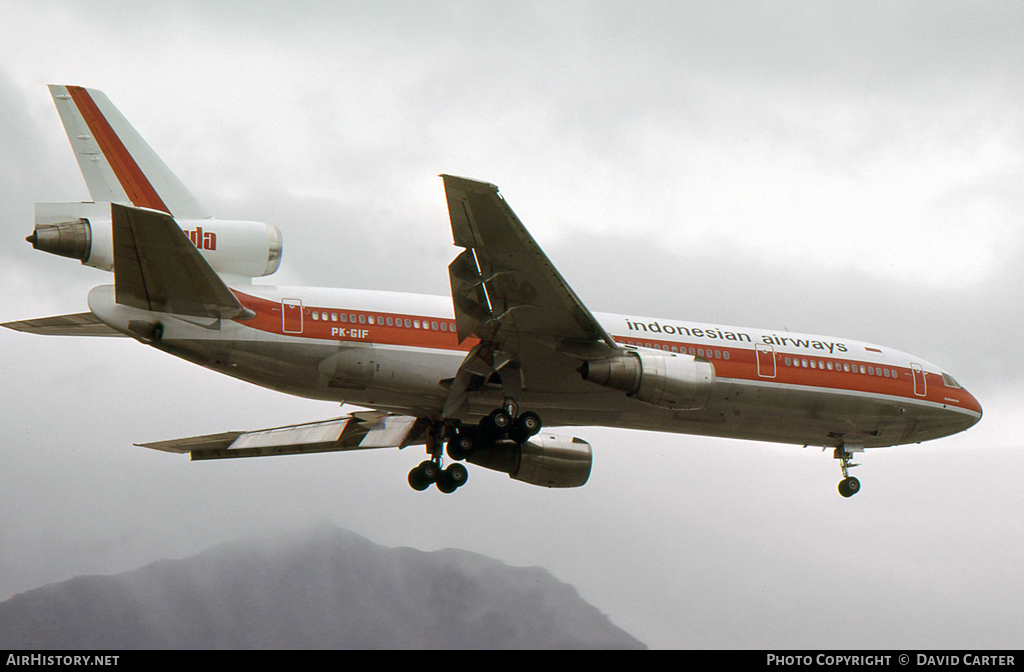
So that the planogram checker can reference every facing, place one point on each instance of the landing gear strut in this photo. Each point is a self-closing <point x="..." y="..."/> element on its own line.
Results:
<point x="431" y="472"/>
<point x="849" y="486"/>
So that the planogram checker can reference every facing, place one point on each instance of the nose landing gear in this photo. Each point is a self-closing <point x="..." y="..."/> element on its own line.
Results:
<point x="849" y="486"/>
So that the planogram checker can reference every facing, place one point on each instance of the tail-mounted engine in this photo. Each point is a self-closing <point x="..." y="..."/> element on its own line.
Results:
<point x="550" y="461"/>
<point x="669" y="380"/>
<point x="82" y="231"/>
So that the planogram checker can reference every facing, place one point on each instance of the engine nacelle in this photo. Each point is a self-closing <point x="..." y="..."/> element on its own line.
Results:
<point x="667" y="379"/>
<point x="83" y="231"/>
<point x="550" y="461"/>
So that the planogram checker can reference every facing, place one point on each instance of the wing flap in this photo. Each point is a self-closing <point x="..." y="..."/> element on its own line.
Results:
<point x="78" y="324"/>
<point x="358" y="431"/>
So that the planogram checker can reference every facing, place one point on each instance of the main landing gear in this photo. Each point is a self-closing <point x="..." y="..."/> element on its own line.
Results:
<point x="502" y="424"/>
<point x="849" y="486"/>
<point x="431" y="472"/>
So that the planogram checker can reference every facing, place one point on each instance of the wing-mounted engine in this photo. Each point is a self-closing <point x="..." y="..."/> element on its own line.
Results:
<point x="546" y="460"/>
<point x="83" y="231"/>
<point x="669" y="380"/>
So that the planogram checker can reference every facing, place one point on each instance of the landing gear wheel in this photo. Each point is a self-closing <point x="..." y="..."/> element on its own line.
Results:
<point x="452" y="478"/>
<point x="460" y="447"/>
<point x="526" y="425"/>
<point x="423" y="475"/>
<point x="499" y="420"/>
<point x="849" y="486"/>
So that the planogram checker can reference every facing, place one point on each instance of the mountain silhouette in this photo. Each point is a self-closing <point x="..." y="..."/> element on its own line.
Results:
<point x="325" y="588"/>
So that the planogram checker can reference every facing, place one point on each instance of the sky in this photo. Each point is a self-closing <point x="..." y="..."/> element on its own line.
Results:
<point x="842" y="168"/>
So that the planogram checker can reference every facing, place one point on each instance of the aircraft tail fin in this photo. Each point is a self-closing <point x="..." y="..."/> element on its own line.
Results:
<point x="117" y="164"/>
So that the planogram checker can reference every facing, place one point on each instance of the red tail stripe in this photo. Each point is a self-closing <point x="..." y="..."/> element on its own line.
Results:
<point x="131" y="177"/>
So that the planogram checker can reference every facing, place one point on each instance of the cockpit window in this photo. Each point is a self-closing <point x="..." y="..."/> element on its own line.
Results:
<point x="949" y="381"/>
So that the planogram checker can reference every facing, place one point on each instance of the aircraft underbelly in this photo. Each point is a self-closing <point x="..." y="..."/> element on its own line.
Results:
<point x="743" y="411"/>
<point x="410" y="382"/>
<point x="329" y="370"/>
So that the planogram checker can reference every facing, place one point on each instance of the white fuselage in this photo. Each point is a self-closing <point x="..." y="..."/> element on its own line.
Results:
<point x="399" y="352"/>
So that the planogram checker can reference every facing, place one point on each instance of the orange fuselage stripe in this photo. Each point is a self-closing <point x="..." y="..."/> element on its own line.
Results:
<point x="741" y="365"/>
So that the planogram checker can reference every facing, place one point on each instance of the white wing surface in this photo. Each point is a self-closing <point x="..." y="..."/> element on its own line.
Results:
<point x="507" y="293"/>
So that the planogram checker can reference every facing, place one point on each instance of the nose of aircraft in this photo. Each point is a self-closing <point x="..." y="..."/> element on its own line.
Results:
<point x="962" y="410"/>
<point x="971" y="403"/>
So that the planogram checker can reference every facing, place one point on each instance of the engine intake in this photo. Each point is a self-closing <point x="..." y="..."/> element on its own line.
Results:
<point x="670" y="380"/>
<point x="546" y="460"/>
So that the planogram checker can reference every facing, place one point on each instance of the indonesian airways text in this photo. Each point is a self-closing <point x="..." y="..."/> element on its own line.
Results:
<point x="714" y="332"/>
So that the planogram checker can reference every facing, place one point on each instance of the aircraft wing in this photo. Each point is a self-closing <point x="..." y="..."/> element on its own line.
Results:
<point x="358" y="431"/>
<point x="79" y="324"/>
<point x="507" y="293"/>
<point x="503" y="279"/>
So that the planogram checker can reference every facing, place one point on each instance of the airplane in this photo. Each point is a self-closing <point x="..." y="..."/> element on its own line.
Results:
<point x="479" y="376"/>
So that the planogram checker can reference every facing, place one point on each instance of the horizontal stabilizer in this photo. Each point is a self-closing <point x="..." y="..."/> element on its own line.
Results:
<point x="359" y="431"/>
<point x="79" y="324"/>
<point x="157" y="268"/>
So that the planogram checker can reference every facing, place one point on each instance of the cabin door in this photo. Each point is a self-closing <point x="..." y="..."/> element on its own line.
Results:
<point x="765" y="361"/>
